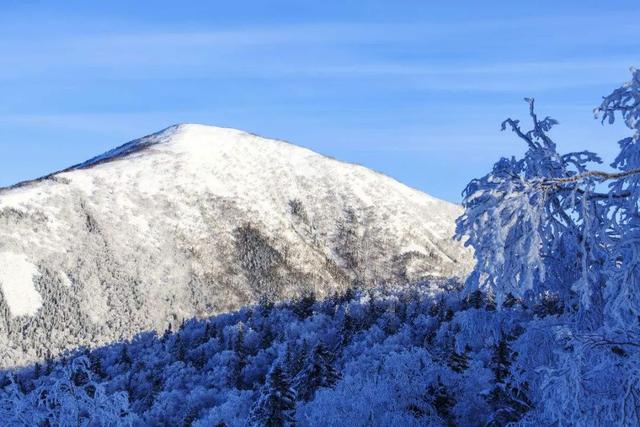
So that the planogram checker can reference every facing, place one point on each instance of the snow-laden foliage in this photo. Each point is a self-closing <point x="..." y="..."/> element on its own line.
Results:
<point x="374" y="358"/>
<point x="545" y="332"/>
<point x="528" y="231"/>
<point x="549" y="230"/>
<point x="70" y="397"/>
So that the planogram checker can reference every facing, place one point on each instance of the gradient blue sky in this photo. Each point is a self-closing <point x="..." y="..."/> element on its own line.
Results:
<point x="414" y="89"/>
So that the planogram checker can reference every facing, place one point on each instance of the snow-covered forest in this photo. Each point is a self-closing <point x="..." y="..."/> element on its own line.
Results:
<point x="420" y="355"/>
<point x="545" y="331"/>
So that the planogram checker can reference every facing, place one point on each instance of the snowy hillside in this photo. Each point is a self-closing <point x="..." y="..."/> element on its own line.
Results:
<point x="197" y="220"/>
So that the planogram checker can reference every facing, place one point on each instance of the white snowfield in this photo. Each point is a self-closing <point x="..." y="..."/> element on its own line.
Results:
<point x="16" y="282"/>
<point x="197" y="220"/>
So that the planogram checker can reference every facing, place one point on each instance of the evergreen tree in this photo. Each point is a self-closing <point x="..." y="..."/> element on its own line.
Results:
<point x="37" y="370"/>
<point x="96" y="365"/>
<point x="276" y="405"/>
<point x="475" y="299"/>
<point x="190" y="417"/>
<point x="509" y="402"/>
<point x="125" y="358"/>
<point x="501" y="361"/>
<point x="179" y="347"/>
<point x="167" y="333"/>
<point x="210" y="332"/>
<point x="347" y="329"/>
<point x="240" y="360"/>
<point x="442" y="401"/>
<point x="265" y="305"/>
<point x="458" y="362"/>
<point x="267" y="337"/>
<point x="48" y="364"/>
<point x="295" y="358"/>
<point x="347" y="296"/>
<point x="304" y="306"/>
<point x="289" y="363"/>
<point x="317" y="373"/>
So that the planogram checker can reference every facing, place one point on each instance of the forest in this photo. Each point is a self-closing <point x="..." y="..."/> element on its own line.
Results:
<point x="544" y="331"/>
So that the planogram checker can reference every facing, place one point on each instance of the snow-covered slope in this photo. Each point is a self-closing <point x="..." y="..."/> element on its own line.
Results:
<point x="196" y="220"/>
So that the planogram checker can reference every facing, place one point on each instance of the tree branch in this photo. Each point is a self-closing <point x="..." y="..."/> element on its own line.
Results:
<point x="515" y="126"/>
<point x="597" y="341"/>
<point x="602" y="176"/>
<point x="600" y="196"/>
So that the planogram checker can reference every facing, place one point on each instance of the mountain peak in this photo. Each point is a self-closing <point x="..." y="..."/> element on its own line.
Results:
<point x="198" y="136"/>
<point x="134" y="146"/>
<point x="195" y="220"/>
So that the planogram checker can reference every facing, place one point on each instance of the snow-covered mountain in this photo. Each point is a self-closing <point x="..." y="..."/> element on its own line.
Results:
<point x="196" y="220"/>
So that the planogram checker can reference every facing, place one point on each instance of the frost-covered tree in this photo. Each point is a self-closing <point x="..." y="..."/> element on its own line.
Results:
<point x="622" y="307"/>
<point x="277" y="401"/>
<point x="69" y="397"/>
<point x="531" y="230"/>
<point x="319" y="372"/>
<point x="562" y="237"/>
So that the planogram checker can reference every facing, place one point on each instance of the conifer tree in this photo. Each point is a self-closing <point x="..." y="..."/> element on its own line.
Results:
<point x="277" y="402"/>
<point x="240" y="360"/>
<point x="475" y="299"/>
<point x="295" y="358"/>
<point x="210" y="331"/>
<point x="347" y="329"/>
<point x="179" y="348"/>
<point x="501" y="360"/>
<point x="267" y="337"/>
<point x="509" y="402"/>
<point x="125" y="358"/>
<point x="442" y="401"/>
<point x="96" y="365"/>
<point x="318" y="373"/>
<point x="304" y="307"/>
<point x="458" y="362"/>
<point x="37" y="370"/>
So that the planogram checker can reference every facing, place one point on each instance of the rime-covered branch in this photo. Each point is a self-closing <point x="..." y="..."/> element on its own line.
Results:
<point x="600" y="175"/>
<point x="596" y="196"/>
<point x="596" y="341"/>
<point x="515" y="126"/>
<point x="543" y="235"/>
<point x="539" y="128"/>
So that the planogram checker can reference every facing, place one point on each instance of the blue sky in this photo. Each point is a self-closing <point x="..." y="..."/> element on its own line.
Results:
<point x="414" y="89"/>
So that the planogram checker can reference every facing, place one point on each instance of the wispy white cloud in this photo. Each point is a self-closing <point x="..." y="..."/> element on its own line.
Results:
<point x="486" y="58"/>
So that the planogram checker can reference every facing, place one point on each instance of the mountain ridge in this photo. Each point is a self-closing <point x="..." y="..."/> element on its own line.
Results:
<point x="140" y="144"/>
<point x="196" y="220"/>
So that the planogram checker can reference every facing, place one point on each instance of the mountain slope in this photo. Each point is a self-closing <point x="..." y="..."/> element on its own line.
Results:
<point x="196" y="220"/>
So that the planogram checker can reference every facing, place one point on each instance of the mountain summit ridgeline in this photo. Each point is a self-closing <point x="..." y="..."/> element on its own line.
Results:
<point x="197" y="220"/>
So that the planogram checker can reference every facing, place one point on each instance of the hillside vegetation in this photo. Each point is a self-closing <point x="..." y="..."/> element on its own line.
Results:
<point x="543" y="332"/>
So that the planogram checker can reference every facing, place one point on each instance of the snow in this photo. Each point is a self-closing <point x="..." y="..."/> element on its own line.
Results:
<point x="517" y="344"/>
<point x="258" y="174"/>
<point x="147" y="231"/>
<point x="128" y="148"/>
<point x="16" y="279"/>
